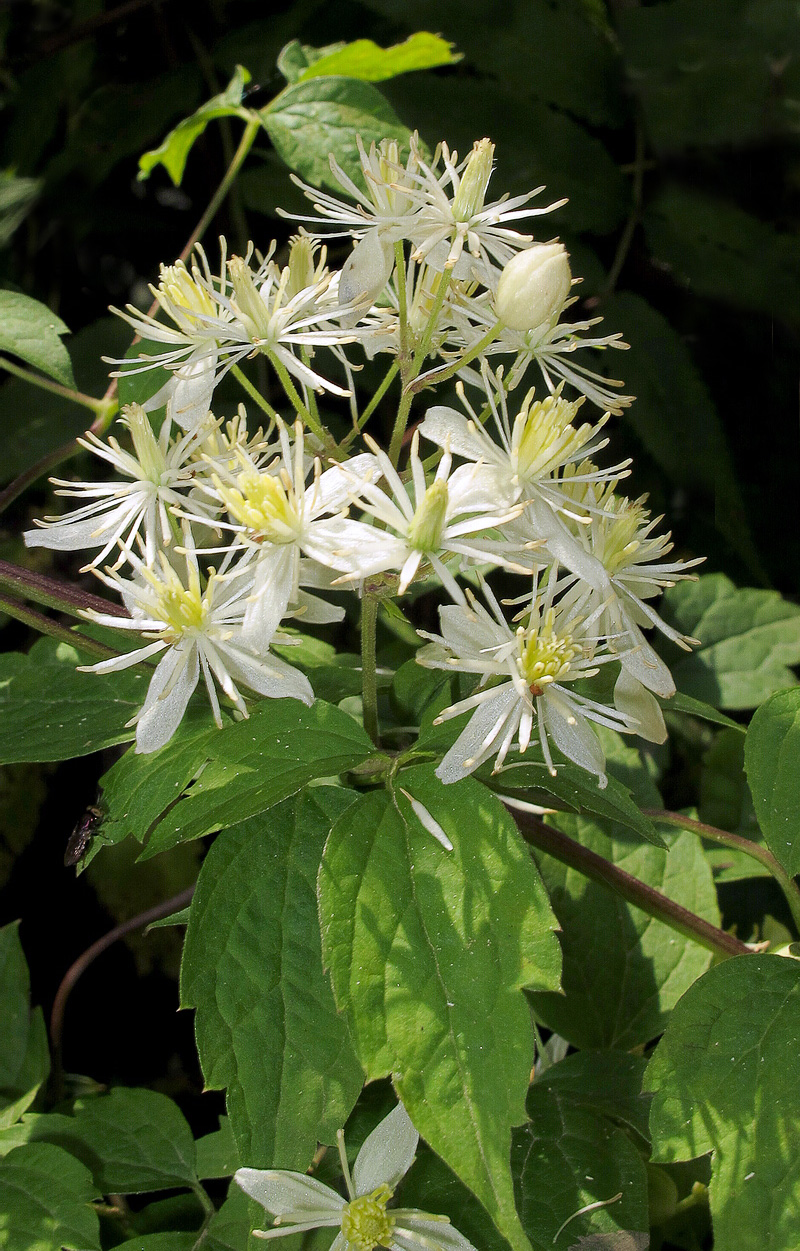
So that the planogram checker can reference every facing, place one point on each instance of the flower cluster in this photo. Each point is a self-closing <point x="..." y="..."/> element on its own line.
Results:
<point x="219" y="538"/>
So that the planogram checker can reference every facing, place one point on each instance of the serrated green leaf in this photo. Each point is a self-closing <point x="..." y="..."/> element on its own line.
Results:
<point x="747" y="637"/>
<point x="721" y="252"/>
<point x="45" y="1198"/>
<point x="623" y="970"/>
<point x="722" y="1082"/>
<point x="31" y="331"/>
<point x="137" y="789"/>
<point x="772" y="762"/>
<point x="365" y="60"/>
<point x="137" y="1140"/>
<point x="217" y="1154"/>
<point x="266" y="1024"/>
<point x="174" y="151"/>
<point x="428" y="951"/>
<point x="50" y="711"/>
<point x="255" y="764"/>
<point x="569" y="1157"/>
<point x="310" y="120"/>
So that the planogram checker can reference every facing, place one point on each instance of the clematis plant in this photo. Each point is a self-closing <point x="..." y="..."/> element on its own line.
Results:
<point x="364" y="1220"/>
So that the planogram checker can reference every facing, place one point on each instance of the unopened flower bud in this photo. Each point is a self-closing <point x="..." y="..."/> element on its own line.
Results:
<point x="425" y="531"/>
<point x="472" y="189"/>
<point x="534" y="287"/>
<point x="246" y="301"/>
<point x="302" y="269"/>
<point x="365" y="273"/>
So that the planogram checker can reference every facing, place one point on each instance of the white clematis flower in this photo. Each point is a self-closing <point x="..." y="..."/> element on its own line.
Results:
<point x="364" y="1220"/>
<point x="198" y="628"/>
<point x="538" y="661"/>
<point x="118" y="513"/>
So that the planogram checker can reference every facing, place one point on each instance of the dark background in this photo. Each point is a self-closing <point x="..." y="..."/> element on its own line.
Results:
<point x="672" y="128"/>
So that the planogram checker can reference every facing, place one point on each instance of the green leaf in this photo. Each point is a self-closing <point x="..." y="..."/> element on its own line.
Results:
<point x="17" y="196"/>
<point x="579" y="791"/>
<point x="674" y="416"/>
<point x="138" y="789"/>
<point x="45" y="1197"/>
<point x="567" y="1158"/>
<point x="230" y="1227"/>
<point x="721" y="252"/>
<point x="623" y="970"/>
<point x="255" y="764"/>
<point x="364" y="60"/>
<point x="24" y="1051"/>
<point x="431" y="1186"/>
<point x="747" y="638"/>
<point x="136" y="1140"/>
<point x="31" y="331"/>
<point x="174" y="151"/>
<point x="697" y="708"/>
<point x="217" y="1155"/>
<point x="172" y="1241"/>
<point x="607" y="1083"/>
<point x="725" y="802"/>
<point x="723" y="1082"/>
<point x="428" y="951"/>
<point x="53" y="420"/>
<point x="772" y="762"/>
<point x="310" y="120"/>
<point x="50" y="711"/>
<point x="266" y="1025"/>
<point x="710" y="72"/>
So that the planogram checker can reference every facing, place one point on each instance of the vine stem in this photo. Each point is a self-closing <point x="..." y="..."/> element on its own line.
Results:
<point x="735" y="841"/>
<point x="79" y="967"/>
<point x="98" y="407"/>
<point x="253" y="392"/>
<point x="388" y="378"/>
<point x="52" y="593"/>
<point x="45" y="625"/>
<point x="296" y="401"/>
<point x="369" y="686"/>
<point x="554" y="843"/>
<point x="410" y="372"/>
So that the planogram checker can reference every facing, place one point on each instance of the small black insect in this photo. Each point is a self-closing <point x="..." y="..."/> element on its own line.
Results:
<point x="80" y="839"/>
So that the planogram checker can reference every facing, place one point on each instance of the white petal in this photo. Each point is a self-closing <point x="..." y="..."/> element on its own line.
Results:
<point x="316" y="611"/>
<point x="387" y="1154"/>
<point x="192" y="392"/>
<point x="337" y="484"/>
<point x="273" y="587"/>
<point x="440" y="1233"/>
<point x="645" y="664"/>
<point x="287" y="1194"/>
<point x="572" y="734"/>
<point x="481" y="736"/>
<point x="272" y="677"/>
<point x="365" y="273"/>
<point x="633" y="699"/>
<point x="161" y="713"/>
<point x="442" y="425"/>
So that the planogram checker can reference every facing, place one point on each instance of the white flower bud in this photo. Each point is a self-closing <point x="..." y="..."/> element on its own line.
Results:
<point x="534" y="287"/>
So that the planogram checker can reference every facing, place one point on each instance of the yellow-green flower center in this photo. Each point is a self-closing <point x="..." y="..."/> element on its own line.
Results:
<point x="365" y="1222"/>
<point x="145" y="445"/>
<point x="425" y="530"/>
<point x="261" y="502"/>
<point x="544" y="655"/>
<point x="544" y="436"/>
<point x="469" y="198"/>
<point x="182" y="609"/>
<point x="620" y="543"/>
<point x="187" y="297"/>
<point x="246" y="300"/>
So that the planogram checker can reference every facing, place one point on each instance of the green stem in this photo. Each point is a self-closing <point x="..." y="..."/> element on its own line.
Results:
<point x="551" y="841"/>
<point x="253" y="392"/>
<point x="400" y="271"/>
<point x="209" y="1213"/>
<point x="98" y="407"/>
<point x="295" y="400"/>
<point x="245" y="144"/>
<point x="409" y="374"/>
<point x="400" y="423"/>
<point x="389" y="377"/>
<point x="369" y="686"/>
<point x="447" y="371"/>
<point x="735" y="841"/>
<point x="626" y="238"/>
<point x="46" y="625"/>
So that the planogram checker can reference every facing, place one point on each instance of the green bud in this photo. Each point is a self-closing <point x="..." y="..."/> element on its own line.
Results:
<point x="425" y="531"/>
<point x="474" y="181"/>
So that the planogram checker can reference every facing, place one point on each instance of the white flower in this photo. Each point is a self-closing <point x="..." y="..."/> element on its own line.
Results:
<point x="426" y="522"/>
<point x="160" y="473"/>
<point x="281" y="519"/>
<point x="527" y="463"/>
<point x="534" y="287"/>
<point x="536" y="659"/>
<point x="364" y="1220"/>
<point x="198" y="628"/>
<point x="617" y="533"/>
